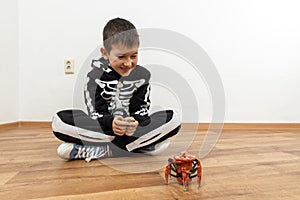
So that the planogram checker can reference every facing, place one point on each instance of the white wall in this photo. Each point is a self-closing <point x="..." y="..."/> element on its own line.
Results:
<point x="9" y="72"/>
<point x="255" y="46"/>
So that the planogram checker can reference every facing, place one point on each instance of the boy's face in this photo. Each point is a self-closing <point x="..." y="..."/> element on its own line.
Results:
<point x="122" y="59"/>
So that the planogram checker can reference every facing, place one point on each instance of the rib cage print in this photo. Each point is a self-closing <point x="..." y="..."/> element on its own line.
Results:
<point x="117" y="94"/>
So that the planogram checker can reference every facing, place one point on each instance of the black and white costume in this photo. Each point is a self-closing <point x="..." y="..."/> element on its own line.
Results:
<point x="108" y="94"/>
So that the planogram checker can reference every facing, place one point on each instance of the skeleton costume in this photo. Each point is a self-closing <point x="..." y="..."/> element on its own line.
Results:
<point x="108" y="94"/>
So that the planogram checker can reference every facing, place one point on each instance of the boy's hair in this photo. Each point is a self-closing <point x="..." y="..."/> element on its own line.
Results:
<point x="121" y="31"/>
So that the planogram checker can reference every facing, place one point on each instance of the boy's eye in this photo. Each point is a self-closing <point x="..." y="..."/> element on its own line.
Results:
<point x="132" y="57"/>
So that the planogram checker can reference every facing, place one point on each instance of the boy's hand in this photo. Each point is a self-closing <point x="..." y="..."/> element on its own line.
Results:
<point x="131" y="126"/>
<point x="119" y="125"/>
<point x="125" y="126"/>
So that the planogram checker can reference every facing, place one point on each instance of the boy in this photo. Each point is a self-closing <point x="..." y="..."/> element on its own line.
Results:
<point x="117" y="100"/>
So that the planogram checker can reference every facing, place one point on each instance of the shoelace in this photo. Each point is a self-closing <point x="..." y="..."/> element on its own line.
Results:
<point x="90" y="153"/>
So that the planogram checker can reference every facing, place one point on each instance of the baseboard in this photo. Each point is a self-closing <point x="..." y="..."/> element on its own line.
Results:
<point x="185" y="126"/>
<point x="35" y="124"/>
<point x="18" y="124"/>
<point x="259" y="126"/>
<point x="241" y="126"/>
<point x="9" y="125"/>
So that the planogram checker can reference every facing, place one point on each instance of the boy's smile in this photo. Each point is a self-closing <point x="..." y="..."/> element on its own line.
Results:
<point x="122" y="59"/>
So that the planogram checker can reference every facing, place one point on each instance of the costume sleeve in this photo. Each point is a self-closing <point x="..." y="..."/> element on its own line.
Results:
<point x="140" y="101"/>
<point x="96" y="105"/>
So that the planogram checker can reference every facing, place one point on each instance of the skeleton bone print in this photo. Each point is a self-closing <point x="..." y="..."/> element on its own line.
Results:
<point x="118" y="93"/>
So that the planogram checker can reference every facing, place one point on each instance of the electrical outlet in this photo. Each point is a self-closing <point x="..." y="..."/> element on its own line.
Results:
<point x="69" y="66"/>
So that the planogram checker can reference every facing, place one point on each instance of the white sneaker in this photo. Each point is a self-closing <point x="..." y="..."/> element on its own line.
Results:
<point x="70" y="151"/>
<point x="157" y="148"/>
<point x="64" y="150"/>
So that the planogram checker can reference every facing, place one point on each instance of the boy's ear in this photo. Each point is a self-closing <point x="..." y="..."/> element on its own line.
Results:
<point x="104" y="53"/>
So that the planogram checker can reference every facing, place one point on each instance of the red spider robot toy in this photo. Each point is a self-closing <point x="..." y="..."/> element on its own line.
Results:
<point x="185" y="168"/>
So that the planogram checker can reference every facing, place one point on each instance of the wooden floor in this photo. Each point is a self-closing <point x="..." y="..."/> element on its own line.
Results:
<point x="255" y="163"/>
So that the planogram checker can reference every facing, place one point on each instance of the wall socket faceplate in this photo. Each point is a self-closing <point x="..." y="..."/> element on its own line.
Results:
<point x="69" y="66"/>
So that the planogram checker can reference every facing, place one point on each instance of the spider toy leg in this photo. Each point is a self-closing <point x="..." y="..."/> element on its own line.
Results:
<point x="199" y="173"/>
<point x="169" y="168"/>
<point x="184" y="180"/>
<point x="167" y="172"/>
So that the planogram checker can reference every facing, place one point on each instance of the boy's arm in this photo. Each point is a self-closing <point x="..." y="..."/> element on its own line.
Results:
<point x="96" y="105"/>
<point x="140" y="103"/>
